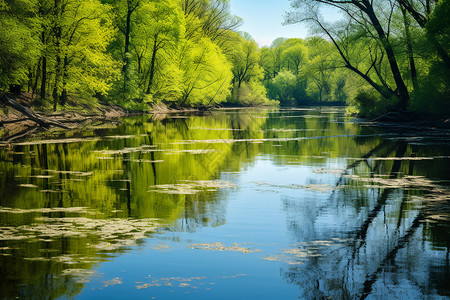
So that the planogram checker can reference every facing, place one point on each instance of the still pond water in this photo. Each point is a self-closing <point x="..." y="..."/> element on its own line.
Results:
<point x="237" y="204"/>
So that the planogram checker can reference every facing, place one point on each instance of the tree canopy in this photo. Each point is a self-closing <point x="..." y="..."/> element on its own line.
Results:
<point x="190" y="53"/>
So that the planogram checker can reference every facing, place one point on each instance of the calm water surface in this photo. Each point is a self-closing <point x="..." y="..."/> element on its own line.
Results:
<point x="238" y="204"/>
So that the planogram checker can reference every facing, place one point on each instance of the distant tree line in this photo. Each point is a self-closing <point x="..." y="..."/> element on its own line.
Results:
<point x="302" y="72"/>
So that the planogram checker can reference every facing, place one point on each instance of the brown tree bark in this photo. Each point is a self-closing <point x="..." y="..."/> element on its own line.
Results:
<point x="41" y="120"/>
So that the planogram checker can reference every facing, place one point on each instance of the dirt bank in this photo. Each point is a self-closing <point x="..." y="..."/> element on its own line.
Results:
<point x="19" y="117"/>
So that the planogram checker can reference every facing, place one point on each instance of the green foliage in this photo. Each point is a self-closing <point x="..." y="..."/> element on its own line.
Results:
<point x="369" y="104"/>
<point x="248" y="89"/>
<point x="283" y="87"/>
<point x="138" y="52"/>
<point x="87" y="31"/>
<point x="433" y="95"/>
<point x="206" y="73"/>
<point x="252" y="93"/>
<point x="396" y="56"/>
<point x="19" y="42"/>
<point x="299" y="72"/>
<point x="439" y="23"/>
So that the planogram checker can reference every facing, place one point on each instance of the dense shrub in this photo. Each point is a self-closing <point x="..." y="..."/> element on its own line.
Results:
<point x="368" y="103"/>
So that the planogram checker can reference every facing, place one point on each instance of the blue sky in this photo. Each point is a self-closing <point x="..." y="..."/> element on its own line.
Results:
<point x="263" y="20"/>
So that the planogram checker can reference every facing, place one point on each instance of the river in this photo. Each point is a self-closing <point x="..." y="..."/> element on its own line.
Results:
<point x="233" y="204"/>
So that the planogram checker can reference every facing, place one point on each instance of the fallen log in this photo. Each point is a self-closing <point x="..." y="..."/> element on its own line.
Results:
<point x="21" y="134"/>
<point x="41" y="120"/>
<point x="13" y="121"/>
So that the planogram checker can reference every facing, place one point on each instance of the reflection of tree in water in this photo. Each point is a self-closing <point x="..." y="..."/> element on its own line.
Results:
<point x="379" y="234"/>
<point x="87" y="200"/>
<point x="54" y="255"/>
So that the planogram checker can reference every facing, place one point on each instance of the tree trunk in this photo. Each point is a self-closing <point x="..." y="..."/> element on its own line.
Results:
<point x="422" y="21"/>
<point x="44" y="122"/>
<point x="65" y="75"/>
<point x="36" y="79"/>
<point x="57" y="69"/>
<point x="152" y="65"/>
<point x="412" y="63"/>
<point x="44" y="69"/>
<point x="126" y="59"/>
<point x="402" y="91"/>
<point x="30" y="80"/>
<point x="439" y="49"/>
<point x="44" y="77"/>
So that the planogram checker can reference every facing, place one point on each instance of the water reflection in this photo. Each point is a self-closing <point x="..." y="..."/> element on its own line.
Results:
<point x="388" y="248"/>
<point x="367" y="214"/>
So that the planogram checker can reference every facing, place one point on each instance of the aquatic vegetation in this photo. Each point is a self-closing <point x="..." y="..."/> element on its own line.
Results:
<point x="312" y="187"/>
<point x="109" y="234"/>
<point x="192" y="187"/>
<point x="218" y="246"/>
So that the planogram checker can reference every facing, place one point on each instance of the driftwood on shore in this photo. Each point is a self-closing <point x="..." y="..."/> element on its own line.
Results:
<point x="30" y="114"/>
<point x="22" y="121"/>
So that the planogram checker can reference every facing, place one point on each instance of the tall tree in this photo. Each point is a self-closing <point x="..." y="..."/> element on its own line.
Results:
<point x="159" y="27"/>
<point x="20" y="44"/>
<point x="363" y="15"/>
<point x="422" y="11"/>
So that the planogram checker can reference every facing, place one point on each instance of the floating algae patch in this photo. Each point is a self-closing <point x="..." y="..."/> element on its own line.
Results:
<point x="109" y="234"/>
<point x="28" y="185"/>
<point x="283" y="258"/>
<point x="233" y="276"/>
<point x="328" y="171"/>
<point x="161" y="248"/>
<point x="217" y="129"/>
<point x="191" y="187"/>
<point x="289" y="130"/>
<point x="303" y="251"/>
<point x="75" y="173"/>
<point x="143" y="161"/>
<point x="53" y="191"/>
<point x="81" y="210"/>
<point x="412" y="158"/>
<point x="11" y="234"/>
<point x="42" y="176"/>
<point x="171" y="282"/>
<point x="81" y="275"/>
<point x="299" y="253"/>
<point x="312" y="187"/>
<point x="406" y="182"/>
<point x="220" y="247"/>
<point x="197" y="151"/>
<point x="112" y="282"/>
<point x="60" y="141"/>
<point x="141" y="149"/>
<point x="195" y="283"/>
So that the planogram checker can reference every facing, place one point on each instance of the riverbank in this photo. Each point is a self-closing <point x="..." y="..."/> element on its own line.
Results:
<point x="409" y="120"/>
<point x="22" y="116"/>
<point x="25" y="120"/>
